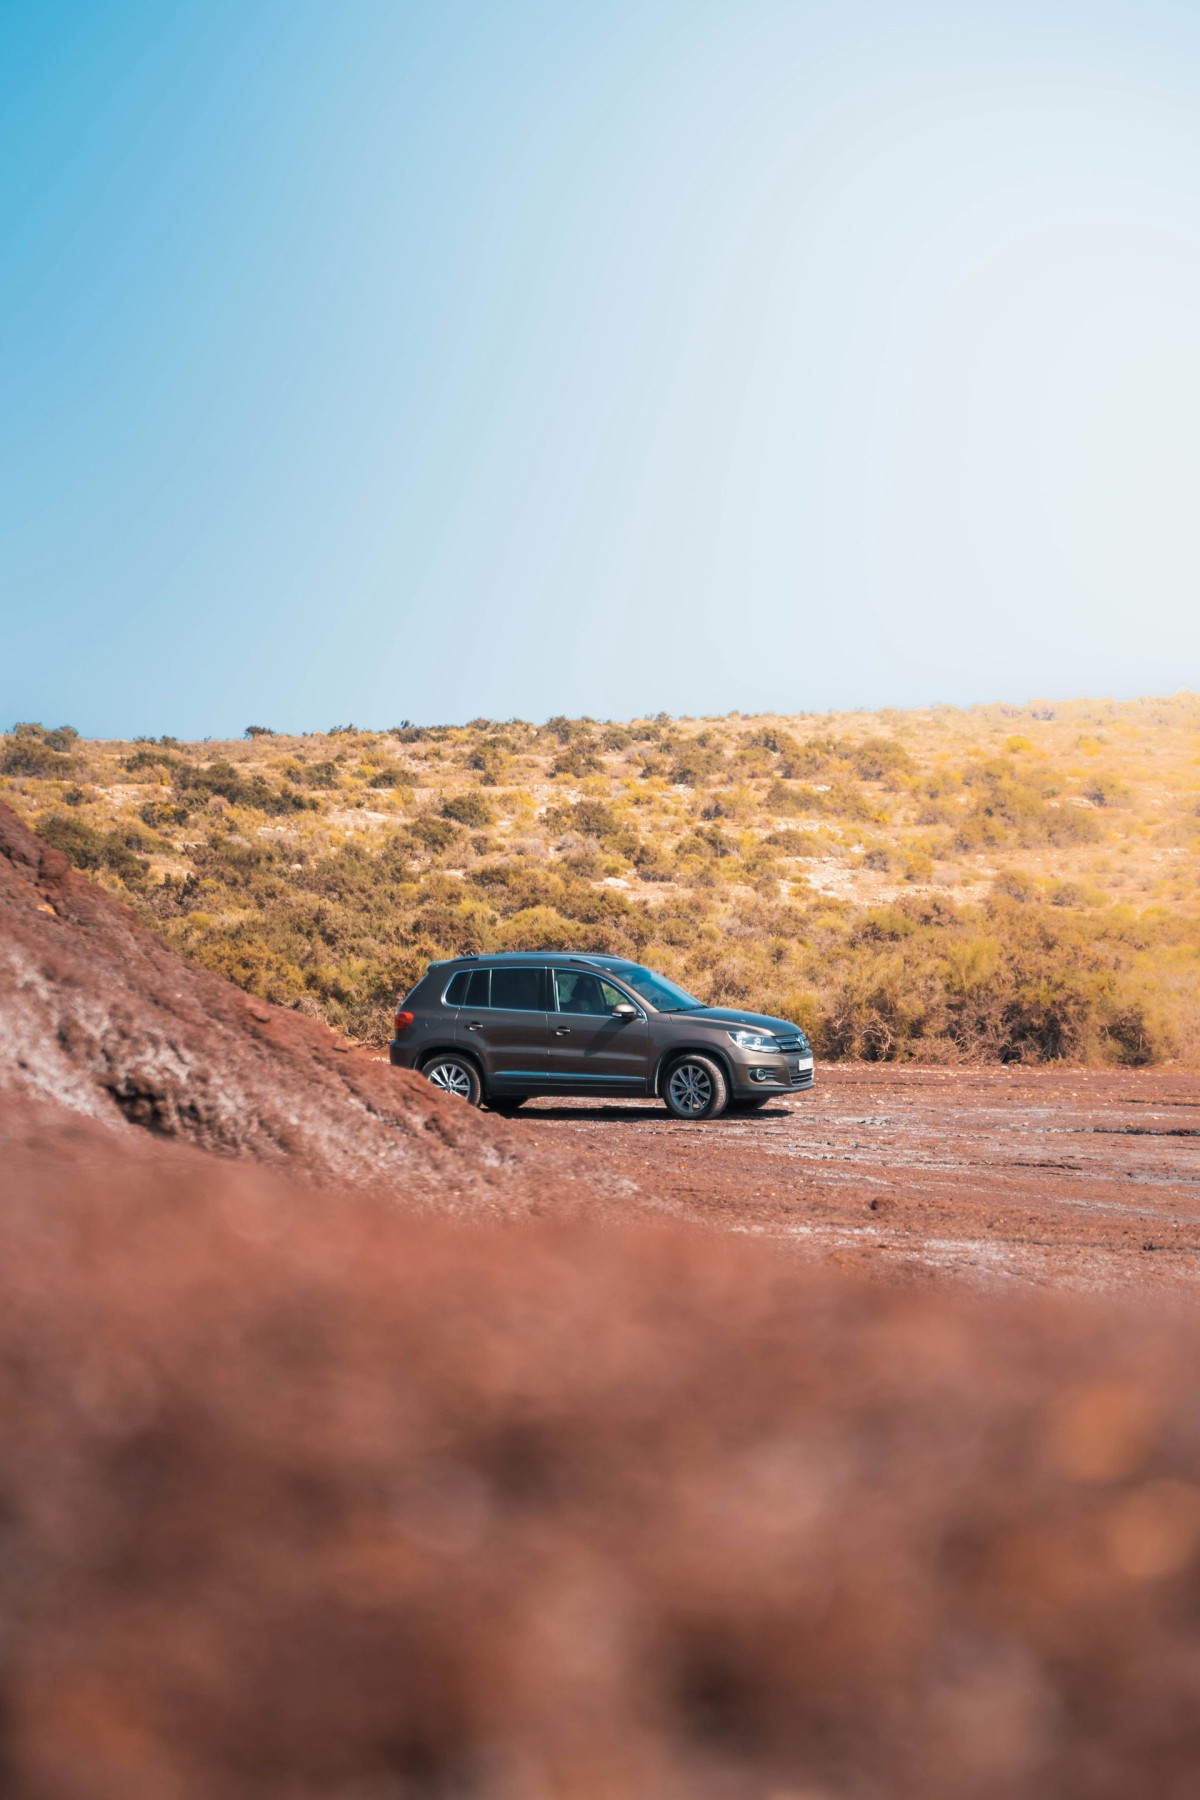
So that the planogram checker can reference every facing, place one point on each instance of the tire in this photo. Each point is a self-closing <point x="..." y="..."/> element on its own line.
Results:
<point x="454" y="1074"/>
<point x="695" y="1088"/>
<point x="507" y="1103"/>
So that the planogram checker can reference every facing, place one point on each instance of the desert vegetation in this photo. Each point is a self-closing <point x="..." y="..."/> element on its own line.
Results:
<point x="991" y="883"/>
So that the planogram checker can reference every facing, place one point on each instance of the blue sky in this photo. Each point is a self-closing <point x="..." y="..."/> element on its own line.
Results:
<point x="368" y="362"/>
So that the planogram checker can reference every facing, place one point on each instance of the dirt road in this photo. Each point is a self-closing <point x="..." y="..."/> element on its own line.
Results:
<point x="1079" y="1177"/>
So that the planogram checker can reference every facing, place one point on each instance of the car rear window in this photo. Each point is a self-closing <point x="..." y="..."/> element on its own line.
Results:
<point x="520" y="990"/>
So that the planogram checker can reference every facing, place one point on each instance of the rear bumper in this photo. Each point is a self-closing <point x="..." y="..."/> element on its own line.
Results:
<point x="401" y="1056"/>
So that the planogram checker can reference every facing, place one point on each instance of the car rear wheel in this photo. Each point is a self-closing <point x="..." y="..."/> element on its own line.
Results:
<point x="454" y="1075"/>
<point x="695" y="1088"/>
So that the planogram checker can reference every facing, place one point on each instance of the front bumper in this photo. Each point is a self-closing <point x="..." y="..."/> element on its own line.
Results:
<point x="759" y="1075"/>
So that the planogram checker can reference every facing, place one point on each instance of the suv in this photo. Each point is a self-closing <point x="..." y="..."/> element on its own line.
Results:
<point x="503" y="1028"/>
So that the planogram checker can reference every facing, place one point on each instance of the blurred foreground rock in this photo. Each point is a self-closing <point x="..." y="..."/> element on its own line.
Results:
<point x="302" y="1498"/>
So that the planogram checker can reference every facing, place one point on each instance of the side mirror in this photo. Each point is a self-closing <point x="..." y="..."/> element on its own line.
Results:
<point x="625" y="1011"/>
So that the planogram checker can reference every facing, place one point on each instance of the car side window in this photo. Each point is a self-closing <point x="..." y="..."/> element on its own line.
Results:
<point x="579" y="992"/>
<point x="477" y="988"/>
<point x="519" y="989"/>
<point x="468" y="988"/>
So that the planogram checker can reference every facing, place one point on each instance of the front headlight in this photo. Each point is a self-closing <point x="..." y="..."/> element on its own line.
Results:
<point x="754" y="1040"/>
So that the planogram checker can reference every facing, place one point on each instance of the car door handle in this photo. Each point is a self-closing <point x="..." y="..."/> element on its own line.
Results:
<point x="563" y="1031"/>
<point x="475" y="1027"/>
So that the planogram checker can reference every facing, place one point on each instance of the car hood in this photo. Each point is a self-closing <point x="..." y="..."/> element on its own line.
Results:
<point x="731" y="1017"/>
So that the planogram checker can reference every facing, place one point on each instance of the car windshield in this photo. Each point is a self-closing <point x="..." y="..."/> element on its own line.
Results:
<point x="660" y="993"/>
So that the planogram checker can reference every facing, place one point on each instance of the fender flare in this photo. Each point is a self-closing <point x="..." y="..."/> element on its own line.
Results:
<point x="674" y="1052"/>
<point x="427" y="1056"/>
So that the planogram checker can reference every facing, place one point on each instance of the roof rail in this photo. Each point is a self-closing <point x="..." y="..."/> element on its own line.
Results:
<point x="500" y="955"/>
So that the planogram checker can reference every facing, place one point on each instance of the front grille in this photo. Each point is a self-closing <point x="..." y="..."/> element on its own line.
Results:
<point x="790" y="1045"/>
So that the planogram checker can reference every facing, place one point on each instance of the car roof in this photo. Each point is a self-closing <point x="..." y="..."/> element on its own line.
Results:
<point x="535" y="956"/>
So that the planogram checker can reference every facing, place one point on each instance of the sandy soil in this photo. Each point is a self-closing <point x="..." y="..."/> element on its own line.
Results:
<point x="1083" y="1178"/>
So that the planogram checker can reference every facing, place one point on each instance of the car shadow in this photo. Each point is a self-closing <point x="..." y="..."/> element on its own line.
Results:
<point x="649" y="1114"/>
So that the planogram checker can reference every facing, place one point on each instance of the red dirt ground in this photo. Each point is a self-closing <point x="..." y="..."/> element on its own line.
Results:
<point x="1078" y="1178"/>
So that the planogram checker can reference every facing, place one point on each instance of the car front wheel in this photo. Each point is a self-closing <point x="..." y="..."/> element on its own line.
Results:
<point x="454" y="1075"/>
<point x="695" y="1088"/>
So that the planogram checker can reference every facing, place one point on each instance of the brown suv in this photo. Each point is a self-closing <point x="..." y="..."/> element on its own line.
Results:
<point x="503" y="1028"/>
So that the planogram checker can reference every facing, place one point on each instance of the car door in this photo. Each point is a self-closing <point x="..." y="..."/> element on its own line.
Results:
<point x="505" y="1021"/>
<point x="590" y="1047"/>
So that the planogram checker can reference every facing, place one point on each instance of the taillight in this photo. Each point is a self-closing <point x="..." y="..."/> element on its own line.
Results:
<point x="404" y="1020"/>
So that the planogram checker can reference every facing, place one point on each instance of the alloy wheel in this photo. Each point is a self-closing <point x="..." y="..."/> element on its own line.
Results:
<point x="691" y="1089"/>
<point x="452" y="1078"/>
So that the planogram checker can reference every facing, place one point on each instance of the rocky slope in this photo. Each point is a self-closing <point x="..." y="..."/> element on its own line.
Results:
<point x="99" y="1018"/>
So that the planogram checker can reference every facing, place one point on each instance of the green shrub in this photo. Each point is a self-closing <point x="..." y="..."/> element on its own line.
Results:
<point x="880" y="759"/>
<point x="321" y="775"/>
<point x="436" y="835"/>
<point x="161" y="815"/>
<point x="698" y="765"/>
<point x="469" y="808"/>
<point x="577" y="759"/>
<point x="542" y="928"/>
<point x="221" y="780"/>
<point x="149" y="758"/>
<point x="32" y="753"/>
<point x="87" y="848"/>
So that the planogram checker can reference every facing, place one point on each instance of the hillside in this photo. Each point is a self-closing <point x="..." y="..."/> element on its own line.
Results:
<point x="994" y="883"/>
